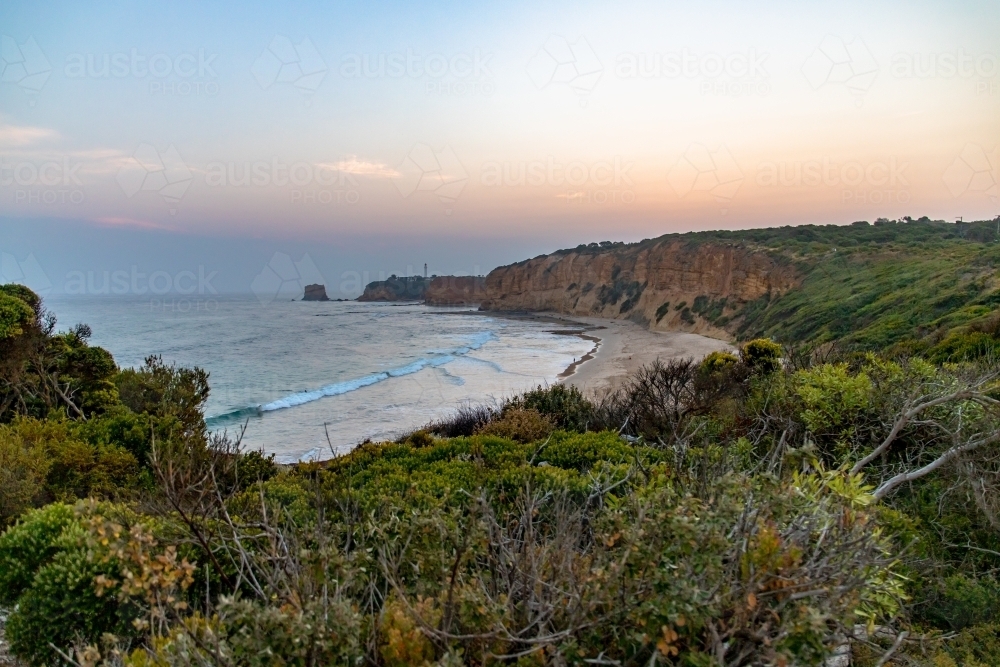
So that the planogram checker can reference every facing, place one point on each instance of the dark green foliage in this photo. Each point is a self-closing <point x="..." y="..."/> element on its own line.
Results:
<point x="399" y="288"/>
<point x="662" y="310"/>
<point x="27" y="546"/>
<point x="563" y="404"/>
<point x="762" y="355"/>
<point x="48" y="571"/>
<point x="959" y="601"/>
<point x="255" y="466"/>
<point x="16" y="316"/>
<point x="688" y="502"/>
<point x="166" y="391"/>
<point x="631" y="290"/>
<point x="62" y="607"/>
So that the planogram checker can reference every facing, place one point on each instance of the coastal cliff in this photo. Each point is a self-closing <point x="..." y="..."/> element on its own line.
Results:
<point x="456" y="291"/>
<point x="411" y="288"/>
<point x="667" y="284"/>
<point x="436" y="291"/>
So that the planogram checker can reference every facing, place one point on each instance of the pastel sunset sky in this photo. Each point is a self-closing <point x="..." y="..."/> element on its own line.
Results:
<point x="374" y="137"/>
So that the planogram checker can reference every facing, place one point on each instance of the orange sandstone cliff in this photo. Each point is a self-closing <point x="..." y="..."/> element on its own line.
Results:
<point x="668" y="285"/>
<point x="455" y="291"/>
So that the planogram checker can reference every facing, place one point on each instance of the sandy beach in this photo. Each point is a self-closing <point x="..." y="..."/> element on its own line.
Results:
<point x="620" y="347"/>
<point x="626" y="346"/>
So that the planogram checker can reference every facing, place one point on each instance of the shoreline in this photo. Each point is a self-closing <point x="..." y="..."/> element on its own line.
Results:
<point x="621" y="347"/>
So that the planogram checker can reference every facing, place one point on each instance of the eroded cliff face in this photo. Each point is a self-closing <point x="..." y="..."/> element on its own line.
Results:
<point x="437" y="291"/>
<point x="410" y="288"/>
<point x="455" y="291"/>
<point x="671" y="285"/>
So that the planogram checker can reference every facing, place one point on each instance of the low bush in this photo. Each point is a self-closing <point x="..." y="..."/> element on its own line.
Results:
<point x="520" y="425"/>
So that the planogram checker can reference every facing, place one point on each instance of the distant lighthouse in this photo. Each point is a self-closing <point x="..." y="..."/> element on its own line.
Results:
<point x="425" y="270"/>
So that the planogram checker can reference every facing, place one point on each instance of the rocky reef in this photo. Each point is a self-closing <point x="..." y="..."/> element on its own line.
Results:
<point x="315" y="293"/>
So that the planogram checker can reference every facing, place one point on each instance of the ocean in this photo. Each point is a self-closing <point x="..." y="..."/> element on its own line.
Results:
<point x="364" y="370"/>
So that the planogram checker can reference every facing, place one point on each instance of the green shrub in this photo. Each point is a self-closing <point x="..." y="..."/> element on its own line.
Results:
<point x="832" y="397"/>
<point x="966" y="346"/>
<point x="15" y="316"/>
<point x="564" y="405"/>
<point x="316" y="635"/>
<point x="582" y="452"/>
<point x="75" y="467"/>
<point x="519" y="425"/>
<point x="662" y="310"/>
<point x="25" y="547"/>
<point x="961" y="601"/>
<point x="23" y="470"/>
<point x="62" y="607"/>
<point x="717" y="362"/>
<point x="762" y="355"/>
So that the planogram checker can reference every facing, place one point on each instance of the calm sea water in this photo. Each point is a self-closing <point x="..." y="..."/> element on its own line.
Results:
<point x="366" y="370"/>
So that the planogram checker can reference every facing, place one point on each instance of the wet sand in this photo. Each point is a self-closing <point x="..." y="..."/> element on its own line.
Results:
<point x="621" y="347"/>
<point x="626" y="346"/>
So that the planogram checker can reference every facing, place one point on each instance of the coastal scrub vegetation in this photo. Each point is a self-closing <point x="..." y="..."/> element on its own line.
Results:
<point x="784" y="505"/>
<point x="917" y="285"/>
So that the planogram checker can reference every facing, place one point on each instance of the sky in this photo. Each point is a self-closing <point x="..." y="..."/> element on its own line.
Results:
<point x="190" y="149"/>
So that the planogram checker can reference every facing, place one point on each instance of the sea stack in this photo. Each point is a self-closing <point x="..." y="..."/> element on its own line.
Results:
<point x="315" y="293"/>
